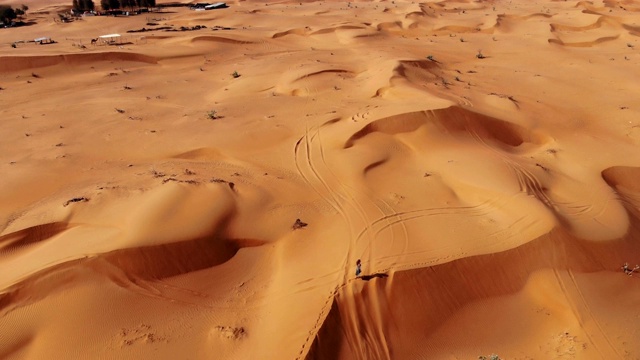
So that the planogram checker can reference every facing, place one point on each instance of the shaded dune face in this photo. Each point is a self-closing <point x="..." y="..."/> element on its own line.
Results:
<point x="605" y="29"/>
<point x="584" y="43"/>
<point x="154" y="248"/>
<point x="219" y="39"/>
<point x="16" y="63"/>
<point x="418" y="72"/>
<point x="455" y="121"/>
<point x="623" y="178"/>
<point x="167" y="260"/>
<point x="356" y="329"/>
<point x="529" y="158"/>
<point x="124" y="267"/>
<point x="369" y="320"/>
<point x="624" y="181"/>
<point x="23" y="238"/>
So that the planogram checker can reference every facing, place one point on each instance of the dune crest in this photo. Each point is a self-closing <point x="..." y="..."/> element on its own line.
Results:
<point x="16" y="63"/>
<point x="456" y="121"/>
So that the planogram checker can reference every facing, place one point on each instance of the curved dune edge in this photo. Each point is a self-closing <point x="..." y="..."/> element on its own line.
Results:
<point x="200" y="154"/>
<point x="16" y="63"/>
<point x="128" y="268"/>
<point x="167" y="220"/>
<point x="336" y="28"/>
<point x="623" y="180"/>
<point x="596" y="25"/>
<point x="504" y="282"/>
<point x="327" y="71"/>
<point x="454" y="120"/>
<point x="477" y="29"/>
<point x="589" y="5"/>
<point x="306" y="31"/>
<point x="584" y="43"/>
<point x="220" y="39"/>
<point x="33" y="235"/>
<point x="168" y="260"/>
<point x="149" y="263"/>
<point x="299" y="31"/>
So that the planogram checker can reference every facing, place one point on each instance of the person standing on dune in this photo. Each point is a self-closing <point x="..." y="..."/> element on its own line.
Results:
<point x="358" y="267"/>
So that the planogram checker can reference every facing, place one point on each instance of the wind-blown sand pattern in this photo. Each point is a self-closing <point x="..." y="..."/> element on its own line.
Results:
<point x="480" y="158"/>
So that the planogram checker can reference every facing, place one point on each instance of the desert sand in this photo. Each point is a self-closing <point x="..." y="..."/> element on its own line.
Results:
<point x="480" y="157"/>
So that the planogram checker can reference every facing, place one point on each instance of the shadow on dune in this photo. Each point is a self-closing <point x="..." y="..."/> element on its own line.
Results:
<point x="624" y="181"/>
<point x="168" y="260"/>
<point x="220" y="39"/>
<point x="15" y="350"/>
<point x="373" y="276"/>
<point x="623" y="178"/>
<point x="424" y="69"/>
<point x="424" y="299"/>
<point x="16" y="63"/>
<point x="454" y="121"/>
<point x="330" y="339"/>
<point x="127" y="267"/>
<point x="583" y="43"/>
<point x="31" y="235"/>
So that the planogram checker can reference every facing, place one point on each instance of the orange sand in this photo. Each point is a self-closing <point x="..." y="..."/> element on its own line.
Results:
<point x="492" y="200"/>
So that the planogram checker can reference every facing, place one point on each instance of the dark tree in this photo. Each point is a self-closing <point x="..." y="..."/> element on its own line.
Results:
<point x="83" y="5"/>
<point x="22" y="10"/>
<point x="152" y="3"/>
<point x="114" y="4"/>
<point x="104" y="4"/>
<point x="126" y="4"/>
<point x="7" y="14"/>
<point x="87" y="5"/>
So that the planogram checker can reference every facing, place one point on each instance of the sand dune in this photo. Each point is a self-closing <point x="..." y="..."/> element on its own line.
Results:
<point x="466" y="304"/>
<point x="206" y="192"/>
<point x="17" y="63"/>
<point x="459" y="123"/>
<point x="219" y="39"/>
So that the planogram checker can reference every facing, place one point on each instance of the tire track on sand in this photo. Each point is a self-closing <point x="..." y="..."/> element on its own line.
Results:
<point x="597" y="343"/>
<point x="312" y="165"/>
<point x="364" y="332"/>
<point x="303" y="156"/>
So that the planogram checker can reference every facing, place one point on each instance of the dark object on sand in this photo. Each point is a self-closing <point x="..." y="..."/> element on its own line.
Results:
<point x="76" y="199"/>
<point x="298" y="224"/>
<point x="377" y="275"/>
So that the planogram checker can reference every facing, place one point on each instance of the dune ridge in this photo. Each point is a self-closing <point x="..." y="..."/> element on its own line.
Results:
<point x="16" y="63"/>
<point x="510" y="273"/>
<point x="454" y="120"/>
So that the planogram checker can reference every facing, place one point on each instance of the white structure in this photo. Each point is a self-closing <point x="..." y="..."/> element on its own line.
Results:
<point x="109" y="38"/>
<point x="43" y="40"/>
<point x="218" y="5"/>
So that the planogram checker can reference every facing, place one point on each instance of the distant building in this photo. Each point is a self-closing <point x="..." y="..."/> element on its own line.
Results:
<point x="209" y="6"/>
<point x="218" y="5"/>
<point x="43" y="40"/>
